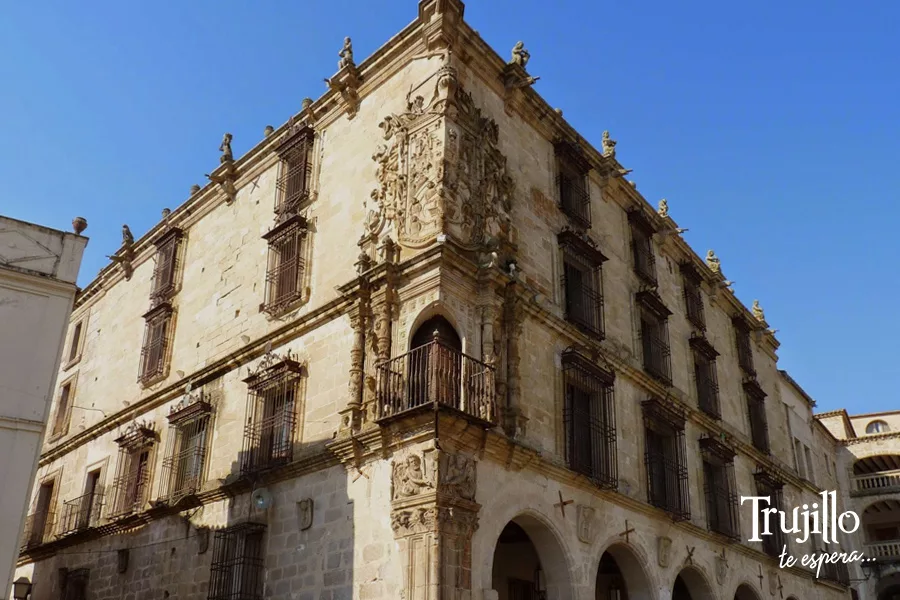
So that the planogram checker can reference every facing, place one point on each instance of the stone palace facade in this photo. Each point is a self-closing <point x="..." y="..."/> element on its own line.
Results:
<point x="423" y="341"/>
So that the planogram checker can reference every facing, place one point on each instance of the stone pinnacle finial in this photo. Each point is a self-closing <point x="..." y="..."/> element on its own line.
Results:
<point x="195" y="188"/>
<point x="306" y="103"/>
<point x="165" y="213"/>
<point x="269" y="130"/>
<point x="79" y="224"/>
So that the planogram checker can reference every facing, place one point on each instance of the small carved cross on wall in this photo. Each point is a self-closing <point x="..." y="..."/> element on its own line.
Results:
<point x="690" y="556"/>
<point x="562" y="504"/>
<point x="780" y="587"/>
<point x="724" y="559"/>
<point x="255" y="183"/>
<point x="760" y="577"/>
<point x="628" y="531"/>
<point x="359" y="473"/>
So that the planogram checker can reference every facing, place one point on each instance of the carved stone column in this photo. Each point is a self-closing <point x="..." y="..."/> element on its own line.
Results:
<point x="434" y="515"/>
<point x="513" y="317"/>
<point x="351" y="416"/>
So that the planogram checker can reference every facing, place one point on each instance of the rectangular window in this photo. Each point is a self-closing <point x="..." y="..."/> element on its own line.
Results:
<point x="798" y="458"/>
<point x="583" y="283"/>
<point x="810" y="474"/>
<point x="63" y="410"/>
<point x="133" y="471"/>
<point x="166" y="268"/>
<point x="665" y="459"/>
<point x="154" y="351"/>
<point x="770" y="487"/>
<point x="74" y="584"/>
<point x="693" y="297"/>
<point x="756" y="410"/>
<point x="84" y="511"/>
<point x="744" y="347"/>
<point x="185" y="461"/>
<point x="40" y="523"/>
<point x="293" y="185"/>
<point x="75" y="343"/>
<point x="573" y="184"/>
<point x="272" y="408"/>
<point x="237" y="569"/>
<point x="720" y="487"/>
<point x="590" y="421"/>
<point x="655" y="336"/>
<point x="642" y="247"/>
<point x="286" y="265"/>
<point x="705" y="376"/>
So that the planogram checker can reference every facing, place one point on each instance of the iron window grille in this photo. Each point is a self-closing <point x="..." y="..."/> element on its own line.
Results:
<point x="74" y="584"/>
<point x="133" y="470"/>
<point x="286" y="264"/>
<point x="720" y="487"/>
<point x="665" y="458"/>
<point x="743" y="345"/>
<point x="582" y="283"/>
<point x="237" y="569"/>
<point x="655" y="336"/>
<point x="274" y="395"/>
<point x="155" y="348"/>
<point x="705" y="376"/>
<point x="693" y="297"/>
<point x="589" y="416"/>
<point x="756" y="410"/>
<point x="84" y="511"/>
<point x="768" y="485"/>
<point x="166" y="268"/>
<point x="184" y="465"/>
<point x="573" y="184"/>
<point x="642" y="247"/>
<point x="293" y="185"/>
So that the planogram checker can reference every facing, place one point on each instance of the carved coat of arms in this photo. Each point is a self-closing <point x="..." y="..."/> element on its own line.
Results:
<point x="721" y="570"/>
<point x="586" y="523"/>
<point x="439" y="171"/>
<point x="663" y="551"/>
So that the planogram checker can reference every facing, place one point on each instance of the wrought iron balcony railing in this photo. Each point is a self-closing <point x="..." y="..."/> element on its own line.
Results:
<point x="182" y="473"/>
<point x="81" y="513"/>
<point x="38" y="529"/>
<point x="130" y="493"/>
<point x="436" y="375"/>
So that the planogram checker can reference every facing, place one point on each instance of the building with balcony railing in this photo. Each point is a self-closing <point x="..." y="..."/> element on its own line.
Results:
<point x="867" y="462"/>
<point x="490" y="381"/>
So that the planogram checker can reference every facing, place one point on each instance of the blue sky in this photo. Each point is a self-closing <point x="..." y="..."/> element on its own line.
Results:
<point x="772" y="129"/>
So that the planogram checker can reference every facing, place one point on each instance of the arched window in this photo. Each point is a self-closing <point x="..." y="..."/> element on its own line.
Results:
<point x="877" y="427"/>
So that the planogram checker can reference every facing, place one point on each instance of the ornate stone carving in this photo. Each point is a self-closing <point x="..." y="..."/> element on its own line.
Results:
<point x="773" y="582"/>
<point x="520" y="55"/>
<point x="225" y="181"/>
<point x="757" y="311"/>
<point x="414" y="520"/>
<point x="456" y="521"/>
<point x="586" y="516"/>
<point x="305" y="513"/>
<point x="663" y="209"/>
<point x="346" y="55"/>
<point x="663" y="551"/>
<point x="440" y="172"/>
<point x="127" y="238"/>
<point x="721" y="569"/>
<point x="609" y="145"/>
<point x="712" y="261"/>
<point x="225" y="149"/>
<point x="457" y="475"/>
<point x="194" y="189"/>
<point x="202" y="539"/>
<point x="269" y="130"/>
<point x="408" y="478"/>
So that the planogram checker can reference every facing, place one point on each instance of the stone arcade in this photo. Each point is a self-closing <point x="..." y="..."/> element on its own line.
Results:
<point x="423" y="341"/>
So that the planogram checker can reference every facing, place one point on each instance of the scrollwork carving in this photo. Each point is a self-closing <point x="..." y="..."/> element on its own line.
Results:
<point x="414" y="520"/>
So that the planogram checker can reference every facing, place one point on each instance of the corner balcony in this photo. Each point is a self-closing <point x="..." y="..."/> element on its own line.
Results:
<point x="433" y="377"/>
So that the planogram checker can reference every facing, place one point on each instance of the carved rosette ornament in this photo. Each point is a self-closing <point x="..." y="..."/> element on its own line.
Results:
<point x="440" y="172"/>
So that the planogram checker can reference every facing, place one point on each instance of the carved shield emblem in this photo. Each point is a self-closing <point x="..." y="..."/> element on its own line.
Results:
<point x="663" y="551"/>
<point x="586" y="523"/>
<point x="721" y="570"/>
<point x="202" y="540"/>
<point x="773" y="582"/>
<point x="305" y="513"/>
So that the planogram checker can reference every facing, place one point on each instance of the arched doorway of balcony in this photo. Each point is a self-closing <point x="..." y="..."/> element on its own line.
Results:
<point x="745" y="592"/>
<point x="878" y="474"/>
<point x="691" y="584"/>
<point x="529" y="563"/>
<point x="620" y="576"/>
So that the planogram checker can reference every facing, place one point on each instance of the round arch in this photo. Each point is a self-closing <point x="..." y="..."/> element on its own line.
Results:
<point x="431" y="311"/>
<point x="550" y="555"/>
<point x="691" y="583"/>
<point x="621" y="564"/>
<point x="746" y="592"/>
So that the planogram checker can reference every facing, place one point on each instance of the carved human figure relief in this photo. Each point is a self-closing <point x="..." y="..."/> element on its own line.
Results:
<point x="409" y="478"/>
<point x="457" y="475"/>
